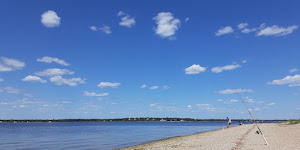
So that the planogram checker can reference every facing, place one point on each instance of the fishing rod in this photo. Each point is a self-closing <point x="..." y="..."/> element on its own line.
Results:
<point x="251" y="116"/>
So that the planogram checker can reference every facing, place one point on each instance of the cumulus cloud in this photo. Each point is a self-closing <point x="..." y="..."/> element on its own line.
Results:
<point x="167" y="24"/>
<point x="144" y="86"/>
<point x="49" y="60"/>
<point x="242" y="25"/>
<point x="109" y="84"/>
<point x="244" y="61"/>
<point x="104" y="28"/>
<point x="50" y="19"/>
<point x="231" y="91"/>
<point x="189" y="106"/>
<point x="194" y="69"/>
<point x="54" y="72"/>
<point x="247" y="30"/>
<point x="86" y="93"/>
<point x="9" y="89"/>
<point x="225" y="30"/>
<point x="154" y="87"/>
<point x="58" y="80"/>
<point x="1" y="79"/>
<point x="275" y="30"/>
<point x="289" y="80"/>
<point x="9" y="64"/>
<point x="227" y="67"/>
<point x="126" y="20"/>
<point x="31" y="78"/>
<point x="293" y="70"/>
<point x="94" y="28"/>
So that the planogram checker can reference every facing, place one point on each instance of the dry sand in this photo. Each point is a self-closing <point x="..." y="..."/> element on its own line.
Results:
<point x="280" y="137"/>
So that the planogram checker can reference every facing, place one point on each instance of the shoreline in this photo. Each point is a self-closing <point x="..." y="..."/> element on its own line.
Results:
<point x="170" y="138"/>
<point x="237" y="137"/>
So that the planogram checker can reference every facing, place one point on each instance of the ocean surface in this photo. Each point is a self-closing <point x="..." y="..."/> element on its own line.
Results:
<point x="94" y="135"/>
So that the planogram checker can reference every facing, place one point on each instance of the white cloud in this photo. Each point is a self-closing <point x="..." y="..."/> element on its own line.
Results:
<point x="49" y="60"/>
<point x="194" y="69"/>
<point x="187" y="19"/>
<point x="290" y="80"/>
<point x="58" y="80"/>
<point x="253" y="101"/>
<point x="227" y="67"/>
<point x="270" y="104"/>
<point x="66" y="102"/>
<point x="225" y="30"/>
<point x="54" y="72"/>
<point x="109" y="84"/>
<point x="31" y="78"/>
<point x="244" y="61"/>
<point x="189" y="106"/>
<point x="126" y="20"/>
<point x="293" y="70"/>
<point x="121" y="13"/>
<point x="167" y="25"/>
<point x="86" y="93"/>
<point x="20" y="106"/>
<point x="275" y="30"/>
<point x="12" y="90"/>
<point x="227" y="101"/>
<point x="144" y="86"/>
<point x="242" y="25"/>
<point x="231" y="91"/>
<point x="204" y="106"/>
<point x="163" y="107"/>
<point x="105" y="29"/>
<point x="1" y="79"/>
<point x="154" y="87"/>
<point x="247" y="30"/>
<point x="165" y="87"/>
<point x="94" y="28"/>
<point x="50" y="19"/>
<point x="9" y="64"/>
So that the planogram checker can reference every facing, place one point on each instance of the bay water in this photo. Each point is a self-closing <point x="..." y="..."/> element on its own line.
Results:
<point x="94" y="135"/>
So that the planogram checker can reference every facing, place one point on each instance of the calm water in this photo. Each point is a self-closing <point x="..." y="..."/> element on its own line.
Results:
<point x="96" y="135"/>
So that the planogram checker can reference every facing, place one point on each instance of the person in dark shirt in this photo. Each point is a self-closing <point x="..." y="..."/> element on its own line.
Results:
<point x="227" y="122"/>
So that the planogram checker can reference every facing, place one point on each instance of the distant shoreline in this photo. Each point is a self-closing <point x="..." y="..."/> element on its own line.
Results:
<point x="146" y="119"/>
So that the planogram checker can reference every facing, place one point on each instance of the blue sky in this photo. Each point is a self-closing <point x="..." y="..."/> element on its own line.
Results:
<point x="111" y="59"/>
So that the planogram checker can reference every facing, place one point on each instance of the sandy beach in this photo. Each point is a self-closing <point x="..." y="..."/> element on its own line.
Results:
<point x="280" y="137"/>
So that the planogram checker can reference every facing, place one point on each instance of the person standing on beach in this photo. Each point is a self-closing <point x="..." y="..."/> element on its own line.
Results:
<point x="227" y="122"/>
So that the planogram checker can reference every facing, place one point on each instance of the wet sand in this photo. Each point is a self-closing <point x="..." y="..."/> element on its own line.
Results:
<point x="279" y="136"/>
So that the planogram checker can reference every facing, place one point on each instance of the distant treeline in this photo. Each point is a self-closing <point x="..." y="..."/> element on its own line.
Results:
<point x="142" y="119"/>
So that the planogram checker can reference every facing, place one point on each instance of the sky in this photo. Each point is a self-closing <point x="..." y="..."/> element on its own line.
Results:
<point x="115" y="59"/>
